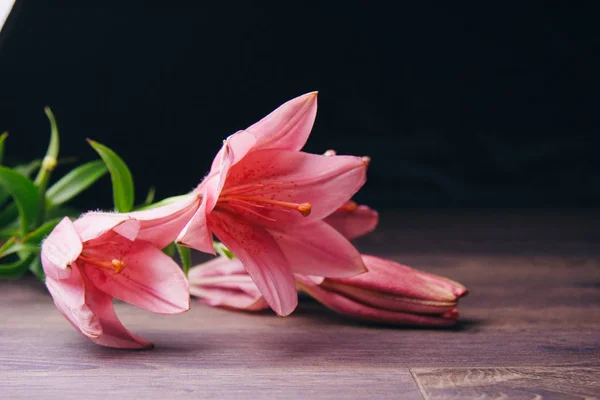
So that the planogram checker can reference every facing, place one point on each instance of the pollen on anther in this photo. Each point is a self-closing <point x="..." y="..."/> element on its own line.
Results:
<point x="118" y="265"/>
<point x="305" y="209"/>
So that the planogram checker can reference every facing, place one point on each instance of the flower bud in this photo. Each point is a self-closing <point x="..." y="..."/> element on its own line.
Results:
<point x="389" y="293"/>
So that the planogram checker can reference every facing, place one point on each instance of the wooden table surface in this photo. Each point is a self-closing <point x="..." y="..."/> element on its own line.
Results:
<point x="530" y="328"/>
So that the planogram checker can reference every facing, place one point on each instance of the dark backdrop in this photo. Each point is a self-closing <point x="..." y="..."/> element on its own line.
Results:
<point x="458" y="106"/>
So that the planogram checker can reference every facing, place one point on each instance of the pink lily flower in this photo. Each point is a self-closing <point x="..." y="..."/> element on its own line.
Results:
<point x="102" y="256"/>
<point x="266" y="201"/>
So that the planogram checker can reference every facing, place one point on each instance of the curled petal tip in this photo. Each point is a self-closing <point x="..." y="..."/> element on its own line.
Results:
<point x="140" y="344"/>
<point x="452" y="314"/>
<point x="330" y="153"/>
<point x="366" y="160"/>
<point x="460" y="292"/>
<point x="363" y="269"/>
<point x="350" y="206"/>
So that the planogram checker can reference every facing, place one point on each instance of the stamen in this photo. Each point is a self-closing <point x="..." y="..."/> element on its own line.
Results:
<point x="242" y="188"/>
<point x="250" y="188"/>
<point x="302" y="208"/>
<point x="115" y="264"/>
<point x="230" y="199"/>
<point x="253" y="212"/>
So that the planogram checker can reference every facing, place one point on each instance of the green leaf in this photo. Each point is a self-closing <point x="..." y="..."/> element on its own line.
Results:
<point x="3" y="193"/>
<point x="122" y="182"/>
<point x="2" y="139"/>
<point x="16" y="247"/>
<point x="36" y="269"/>
<point x="35" y="238"/>
<point x="222" y="250"/>
<point x="185" y="255"/>
<point x="170" y="249"/>
<point x="25" y="194"/>
<point x="29" y="168"/>
<point x="25" y="170"/>
<point x="7" y="245"/>
<point x="13" y="227"/>
<point x="75" y="182"/>
<point x="16" y="269"/>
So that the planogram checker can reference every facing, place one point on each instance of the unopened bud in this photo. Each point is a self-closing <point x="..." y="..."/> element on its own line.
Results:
<point x="49" y="163"/>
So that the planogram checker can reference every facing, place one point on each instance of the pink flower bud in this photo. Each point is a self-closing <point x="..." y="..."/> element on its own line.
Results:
<point x="389" y="293"/>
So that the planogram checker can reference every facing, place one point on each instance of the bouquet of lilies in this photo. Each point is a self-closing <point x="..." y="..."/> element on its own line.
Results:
<point x="283" y="218"/>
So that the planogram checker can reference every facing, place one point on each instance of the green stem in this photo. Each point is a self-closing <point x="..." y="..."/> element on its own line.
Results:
<point x="48" y="163"/>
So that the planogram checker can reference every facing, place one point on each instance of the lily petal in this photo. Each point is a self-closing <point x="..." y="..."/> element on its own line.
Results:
<point x="94" y="224"/>
<point x="218" y="266"/>
<point x="60" y="249"/>
<point x="262" y="258"/>
<point x="318" y="249"/>
<point x="196" y="233"/>
<point x="150" y="280"/>
<point x="232" y="298"/>
<point x="354" y="222"/>
<point x="234" y="149"/>
<point x="225" y="283"/>
<point x="297" y="177"/>
<point x="69" y="298"/>
<point x="114" y="334"/>
<point x="161" y="225"/>
<point x="286" y="128"/>
<point x="289" y="126"/>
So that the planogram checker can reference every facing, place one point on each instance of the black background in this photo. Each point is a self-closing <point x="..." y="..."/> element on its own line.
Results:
<point x="486" y="106"/>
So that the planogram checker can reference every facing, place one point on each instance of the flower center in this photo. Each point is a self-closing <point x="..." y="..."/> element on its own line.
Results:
<point x="302" y="208"/>
<point x="115" y="264"/>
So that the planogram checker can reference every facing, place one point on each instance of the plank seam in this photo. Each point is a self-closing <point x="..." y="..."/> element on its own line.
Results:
<point x="421" y="388"/>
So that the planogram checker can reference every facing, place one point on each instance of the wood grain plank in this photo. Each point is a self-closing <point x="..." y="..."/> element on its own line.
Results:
<point x="35" y="336"/>
<point x="509" y="383"/>
<point x="522" y="311"/>
<point x="202" y="382"/>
